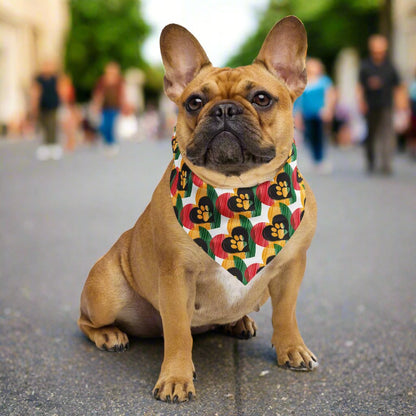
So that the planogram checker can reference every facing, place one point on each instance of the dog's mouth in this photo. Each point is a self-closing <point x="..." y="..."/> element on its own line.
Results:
<point x="228" y="151"/>
<point x="224" y="148"/>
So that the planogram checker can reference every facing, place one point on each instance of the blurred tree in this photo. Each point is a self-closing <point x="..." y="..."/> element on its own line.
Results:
<point x="103" y="31"/>
<point x="153" y="86"/>
<point x="331" y="25"/>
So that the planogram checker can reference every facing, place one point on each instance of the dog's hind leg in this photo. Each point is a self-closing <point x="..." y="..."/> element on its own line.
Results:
<point x="108" y="338"/>
<point x="106" y="293"/>
<point x="244" y="328"/>
<point x="100" y="307"/>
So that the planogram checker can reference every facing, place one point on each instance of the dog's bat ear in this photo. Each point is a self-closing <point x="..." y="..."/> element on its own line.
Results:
<point x="284" y="53"/>
<point x="183" y="57"/>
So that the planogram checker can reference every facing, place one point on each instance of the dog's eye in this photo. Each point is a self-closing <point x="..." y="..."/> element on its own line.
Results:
<point x="261" y="99"/>
<point x="193" y="104"/>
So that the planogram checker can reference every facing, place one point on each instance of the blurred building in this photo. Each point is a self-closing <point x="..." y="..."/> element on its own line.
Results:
<point x="31" y="31"/>
<point x="404" y="37"/>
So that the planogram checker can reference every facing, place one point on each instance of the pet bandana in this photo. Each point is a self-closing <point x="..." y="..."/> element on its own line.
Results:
<point x="242" y="229"/>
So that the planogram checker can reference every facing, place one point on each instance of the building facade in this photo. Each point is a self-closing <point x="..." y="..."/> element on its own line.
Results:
<point x="31" y="31"/>
<point x="404" y="38"/>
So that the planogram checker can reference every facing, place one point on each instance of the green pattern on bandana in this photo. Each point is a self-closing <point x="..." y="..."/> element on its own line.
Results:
<point x="242" y="229"/>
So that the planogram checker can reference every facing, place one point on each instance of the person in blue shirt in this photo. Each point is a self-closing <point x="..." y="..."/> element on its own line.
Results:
<point x="412" y="127"/>
<point x="314" y="108"/>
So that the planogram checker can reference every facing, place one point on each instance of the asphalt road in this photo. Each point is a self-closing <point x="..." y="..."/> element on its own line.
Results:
<point x="356" y="308"/>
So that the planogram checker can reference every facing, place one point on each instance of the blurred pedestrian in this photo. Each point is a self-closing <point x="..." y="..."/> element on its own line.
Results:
<point x="90" y="122"/>
<point x="378" y="82"/>
<point x="70" y="115"/>
<point x="401" y="116"/>
<point x="314" y="109"/>
<point x="108" y="99"/>
<point x="45" y="102"/>
<point x="411" y="134"/>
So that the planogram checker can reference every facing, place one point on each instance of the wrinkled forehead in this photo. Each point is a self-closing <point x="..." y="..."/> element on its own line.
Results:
<point x="231" y="83"/>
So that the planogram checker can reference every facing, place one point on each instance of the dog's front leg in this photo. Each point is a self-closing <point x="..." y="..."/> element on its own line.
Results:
<point x="175" y="381"/>
<point x="290" y="348"/>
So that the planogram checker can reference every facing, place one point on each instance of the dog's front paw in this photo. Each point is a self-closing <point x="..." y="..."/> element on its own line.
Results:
<point x="295" y="357"/>
<point x="174" y="389"/>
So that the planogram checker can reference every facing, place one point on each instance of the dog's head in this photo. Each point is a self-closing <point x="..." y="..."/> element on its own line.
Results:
<point x="235" y="126"/>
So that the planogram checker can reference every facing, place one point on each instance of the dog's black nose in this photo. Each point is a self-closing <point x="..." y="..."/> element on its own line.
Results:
<point x="226" y="109"/>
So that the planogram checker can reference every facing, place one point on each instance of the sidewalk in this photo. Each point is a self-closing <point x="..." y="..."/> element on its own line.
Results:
<point x="356" y="307"/>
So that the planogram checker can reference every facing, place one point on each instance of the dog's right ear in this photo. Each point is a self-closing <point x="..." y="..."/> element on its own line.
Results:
<point x="183" y="58"/>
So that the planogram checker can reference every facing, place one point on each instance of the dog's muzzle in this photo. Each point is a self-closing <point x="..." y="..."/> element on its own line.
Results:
<point x="226" y="141"/>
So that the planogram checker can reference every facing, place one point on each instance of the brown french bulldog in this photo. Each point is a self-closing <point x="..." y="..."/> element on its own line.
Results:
<point x="229" y="223"/>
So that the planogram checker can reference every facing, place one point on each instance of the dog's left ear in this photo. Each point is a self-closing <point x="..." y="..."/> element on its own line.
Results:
<point x="284" y="53"/>
<point x="183" y="58"/>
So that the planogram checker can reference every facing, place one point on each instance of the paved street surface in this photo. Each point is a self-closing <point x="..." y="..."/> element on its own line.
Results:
<point x="356" y="308"/>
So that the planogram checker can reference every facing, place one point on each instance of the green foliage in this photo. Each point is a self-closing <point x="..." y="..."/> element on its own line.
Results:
<point x="331" y="25"/>
<point x="103" y="31"/>
<point x="154" y="83"/>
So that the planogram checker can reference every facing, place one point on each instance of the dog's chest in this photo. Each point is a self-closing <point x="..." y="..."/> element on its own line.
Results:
<point x="240" y="232"/>
<point x="221" y="298"/>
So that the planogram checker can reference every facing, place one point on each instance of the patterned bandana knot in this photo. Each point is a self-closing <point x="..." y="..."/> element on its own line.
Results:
<point x="242" y="229"/>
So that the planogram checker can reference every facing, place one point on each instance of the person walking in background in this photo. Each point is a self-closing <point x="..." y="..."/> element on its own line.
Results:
<point x="411" y="134"/>
<point x="378" y="83"/>
<point x="45" y="102"/>
<point x="313" y="109"/>
<point x="70" y="115"/>
<point x="108" y="99"/>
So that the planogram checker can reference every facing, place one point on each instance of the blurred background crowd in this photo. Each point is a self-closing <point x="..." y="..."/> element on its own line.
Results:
<point x="75" y="73"/>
